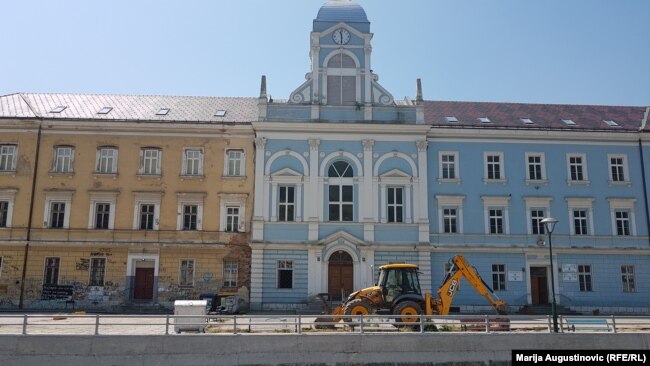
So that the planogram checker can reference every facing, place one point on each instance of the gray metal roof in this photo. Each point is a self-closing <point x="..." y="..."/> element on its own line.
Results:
<point x="342" y="11"/>
<point x="128" y="107"/>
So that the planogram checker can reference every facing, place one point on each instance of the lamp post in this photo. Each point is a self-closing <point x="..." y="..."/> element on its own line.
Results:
<point x="549" y="224"/>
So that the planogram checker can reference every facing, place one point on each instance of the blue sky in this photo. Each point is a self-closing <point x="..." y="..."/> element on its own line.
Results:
<point x="545" y="51"/>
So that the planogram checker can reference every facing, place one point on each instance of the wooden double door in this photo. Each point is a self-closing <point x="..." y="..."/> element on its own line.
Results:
<point x="143" y="284"/>
<point x="538" y="285"/>
<point x="340" y="279"/>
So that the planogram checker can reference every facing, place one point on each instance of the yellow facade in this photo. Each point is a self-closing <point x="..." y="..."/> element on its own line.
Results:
<point x="183" y="262"/>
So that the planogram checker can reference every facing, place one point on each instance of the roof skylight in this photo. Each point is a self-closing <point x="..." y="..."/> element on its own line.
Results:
<point x="611" y="123"/>
<point x="162" y="112"/>
<point x="451" y="119"/>
<point x="105" y="110"/>
<point x="58" y="109"/>
<point x="220" y="113"/>
<point x="484" y="120"/>
<point x="527" y="121"/>
<point x="569" y="122"/>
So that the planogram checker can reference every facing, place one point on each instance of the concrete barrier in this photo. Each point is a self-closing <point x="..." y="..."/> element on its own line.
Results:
<point x="293" y="349"/>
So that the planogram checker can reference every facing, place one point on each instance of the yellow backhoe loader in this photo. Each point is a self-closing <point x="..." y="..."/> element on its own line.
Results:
<point x="398" y="292"/>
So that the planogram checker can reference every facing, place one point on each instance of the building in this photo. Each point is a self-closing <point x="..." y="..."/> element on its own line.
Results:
<point x="116" y="201"/>
<point x="145" y="200"/>
<point x="348" y="179"/>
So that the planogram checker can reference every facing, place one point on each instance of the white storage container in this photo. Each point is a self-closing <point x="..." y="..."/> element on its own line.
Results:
<point x="185" y="308"/>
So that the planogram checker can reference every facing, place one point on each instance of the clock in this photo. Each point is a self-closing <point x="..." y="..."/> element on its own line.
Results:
<point x="341" y="36"/>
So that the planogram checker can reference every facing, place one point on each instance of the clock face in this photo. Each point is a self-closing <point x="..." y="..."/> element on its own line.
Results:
<point x="341" y="36"/>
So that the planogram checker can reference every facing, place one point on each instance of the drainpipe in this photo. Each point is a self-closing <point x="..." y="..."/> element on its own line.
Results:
<point x="645" y="187"/>
<point x="31" y="214"/>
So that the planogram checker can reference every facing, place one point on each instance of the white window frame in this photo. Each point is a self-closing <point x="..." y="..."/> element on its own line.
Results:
<point x="446" y="202"/>
<point x="100" y="158"/>
<point x="58" y="196"/>
<point x="147" y="198"/>
<point x="628" y="278"/>
<point x="542" y="163"/>
<point x="281" y="265"/>
<point x="536" y="203"/>
<point x="498" y="273"/>
<point x="496" y="202"/>
<point x="180" y="272"/>
<point x="287" y="203"/>
<point x="9" y="196"/>
<point x="623" y="166"/>
<point x="286" y="177"/>
<point x="186" y="159"/>
<point x="230" y="273"/>
<point x="102" y="197"/>
<point x="187" y="199"/>
<point x="392" y="178"/>
<point x="9" y="159"/>
<point x="241" y="159"/>
<point x="157" y="159"/>
<point x="456" y="163"/>
<point x="66" y="165"/>
<point x="501" y="164"/>
<point x="90" y="271"/>
<point x="233" y="200"/>
<point x="402" y="218"/>
<point x="588" y="276"/>
<point x="581" y="203"/>
<point x="623" y="204"/>
<point x="583" y="164"/>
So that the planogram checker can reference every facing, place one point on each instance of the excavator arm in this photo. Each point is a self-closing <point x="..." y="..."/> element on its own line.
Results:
<point x="449" y="287"/>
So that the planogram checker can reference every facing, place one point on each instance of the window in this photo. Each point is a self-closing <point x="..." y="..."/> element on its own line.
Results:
<point x="580" y="226"/>
<point x="147" y="216"/>
<point x="499" y="277"/>
<point x="450" y="220"/>
<point x="162" y="112"/>
<point x="622" y="222"/>
<point x="341" y="80"/>
<point x="584" y="277"/>
<point x="102" y="216"/>
<point x="287" y="203"/>
<point x="527" y="121"/>
<point x="192" y="162"/>
<point x="235" y="163"/>
<point x="484" y="120"/>
<point x="448" y="165"/>
<point x="4" y="213"/>
<point x="58" y="109"/>
<point x="395" y="204"/>
<point x="150" y="161"/>
<point x="97" y="271"/>
<point x="496" y="221"/>
<point x="106" y="160"/>
<point x="569" y="122"/>
<point x="8" y="158"/>
<point x="611" y="123"/>
<point x="105" y="110"/>
<point x="51" y="273"/>
<point x="285" y="274"/>
<point x="190" y="216"/>
<point x="535" y="165"/>
<point x="494" y="166"/>
<point x="232" y="219"/>
<point x="63" y="159"/>
<point x="617" y="168"/>
<point x="536" y="217"/>
<point x="577" y="168"/>
<point x="451" y="119"/>
<point x="57" y="215"/>
<point x="627" y="278"/>
<point x="220" y="113"/>
<point x="341" y="197"/>
<point x="186" y="273"/>
<point x="230" y="274"/>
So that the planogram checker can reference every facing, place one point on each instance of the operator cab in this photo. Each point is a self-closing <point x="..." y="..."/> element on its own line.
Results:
<point x="396" y="280"/>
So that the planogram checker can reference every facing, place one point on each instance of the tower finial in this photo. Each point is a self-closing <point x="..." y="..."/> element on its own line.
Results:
<point x="263" y="87"/>
<point x="418" y="93"/>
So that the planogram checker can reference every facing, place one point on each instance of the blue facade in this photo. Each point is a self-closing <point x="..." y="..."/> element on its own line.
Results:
<point x="347" y="179"/>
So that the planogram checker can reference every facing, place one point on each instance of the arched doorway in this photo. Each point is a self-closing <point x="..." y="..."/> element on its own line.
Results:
<point x="340" y="275"/>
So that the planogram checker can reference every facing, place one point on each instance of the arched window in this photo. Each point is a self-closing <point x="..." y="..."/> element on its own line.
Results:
<point x="341" y="80"/>
<point x="341" y="191"/>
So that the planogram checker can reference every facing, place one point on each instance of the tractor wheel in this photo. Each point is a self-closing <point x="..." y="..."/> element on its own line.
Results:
<point x="357" y="307"/>
<point x="407" y="314"/>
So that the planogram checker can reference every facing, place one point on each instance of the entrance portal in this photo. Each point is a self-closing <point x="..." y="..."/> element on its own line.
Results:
<point x="538" y="285"/>
<point x="143" y="289"/>
<point x="340" y="281"/>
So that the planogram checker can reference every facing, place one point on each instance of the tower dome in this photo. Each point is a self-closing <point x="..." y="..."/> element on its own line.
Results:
<point x="342" y="11"/>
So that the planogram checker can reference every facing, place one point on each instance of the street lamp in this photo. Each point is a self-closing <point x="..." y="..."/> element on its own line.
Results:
<point x="549" y="224"/>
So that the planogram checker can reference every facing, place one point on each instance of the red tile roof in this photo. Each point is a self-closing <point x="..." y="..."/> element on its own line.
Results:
<point x="544" y="116"/>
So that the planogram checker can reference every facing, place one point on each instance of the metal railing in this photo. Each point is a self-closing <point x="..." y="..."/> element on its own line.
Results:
<point x="304" y="324"/>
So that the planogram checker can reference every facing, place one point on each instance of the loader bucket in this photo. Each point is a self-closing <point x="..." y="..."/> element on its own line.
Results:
<point x="328" y="322"/>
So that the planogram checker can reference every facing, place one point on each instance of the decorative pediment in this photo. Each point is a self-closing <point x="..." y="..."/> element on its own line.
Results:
<point x="342" y="237"/>
<point x="286" y="172"/>
<point x="395" y="173"/>
<point x="343" y="25"/>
